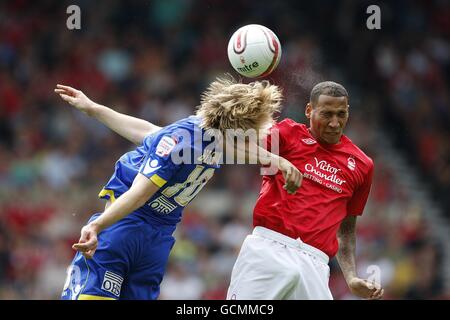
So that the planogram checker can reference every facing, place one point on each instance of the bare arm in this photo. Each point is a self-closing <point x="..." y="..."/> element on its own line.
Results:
<point x="346" y="252"/>
<point x="131" y="128"/>
<point x="346" y="259"/>
<point x="292" y="176"/>
<point x="255" y="154"/>
<point x="141" y="190"/>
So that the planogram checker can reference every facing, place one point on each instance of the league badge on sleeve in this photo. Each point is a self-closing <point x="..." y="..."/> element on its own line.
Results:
<point x="165" y="146"/>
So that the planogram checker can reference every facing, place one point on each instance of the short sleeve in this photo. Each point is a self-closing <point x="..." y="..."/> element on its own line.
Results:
<point x="356" y="205"/>
<point x="276" y="139"/>
<point x="159" y="165"/>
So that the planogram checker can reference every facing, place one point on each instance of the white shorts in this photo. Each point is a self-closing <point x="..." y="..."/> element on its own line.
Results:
<point x="272" y="266"/>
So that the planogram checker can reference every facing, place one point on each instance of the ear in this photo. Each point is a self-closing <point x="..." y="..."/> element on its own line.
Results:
<point x="308" y="110"/>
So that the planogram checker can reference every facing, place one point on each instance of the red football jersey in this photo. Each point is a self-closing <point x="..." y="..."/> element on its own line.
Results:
<point x="336" y="183"/>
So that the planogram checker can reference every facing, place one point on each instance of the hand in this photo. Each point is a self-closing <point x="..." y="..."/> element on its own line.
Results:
<point x="76" y="98"/>
<point x="365" y="289"/>
<point x="88" y="241"/>
<point x="292" y="176"/>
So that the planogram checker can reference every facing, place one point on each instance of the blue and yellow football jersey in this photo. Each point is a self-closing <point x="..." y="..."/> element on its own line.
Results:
<point x="162" y="158"/>
<point x="132" y="254"/>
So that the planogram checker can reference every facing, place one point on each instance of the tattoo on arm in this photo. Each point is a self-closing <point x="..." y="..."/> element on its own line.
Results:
<point x="346" y="253"/>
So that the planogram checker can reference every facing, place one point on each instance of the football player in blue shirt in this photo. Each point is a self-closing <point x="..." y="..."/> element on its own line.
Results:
<point x="152" y="184"/>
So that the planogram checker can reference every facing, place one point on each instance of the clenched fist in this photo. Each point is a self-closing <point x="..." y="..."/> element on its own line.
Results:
<point x="365" y="289"/>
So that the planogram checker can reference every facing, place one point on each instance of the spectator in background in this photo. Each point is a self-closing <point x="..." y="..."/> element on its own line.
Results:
<point x="172" y="54"/>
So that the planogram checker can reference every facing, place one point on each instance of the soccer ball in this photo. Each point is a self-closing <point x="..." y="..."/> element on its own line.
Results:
<point x="254" y="51"/>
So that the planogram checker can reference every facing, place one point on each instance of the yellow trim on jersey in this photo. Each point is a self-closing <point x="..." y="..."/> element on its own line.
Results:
<point x="92" y="297"/>
<point x="106" y="192"/>
<point x="158" y="180"/>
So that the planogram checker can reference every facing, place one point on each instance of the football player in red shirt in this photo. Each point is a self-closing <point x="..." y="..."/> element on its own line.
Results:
<point x="286" y="256"/>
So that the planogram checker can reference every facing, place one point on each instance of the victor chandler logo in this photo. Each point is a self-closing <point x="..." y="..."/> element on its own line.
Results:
<point x="322" y="172"/>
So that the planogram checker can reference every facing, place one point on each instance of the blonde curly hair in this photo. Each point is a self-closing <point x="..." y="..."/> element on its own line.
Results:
<point x="227" y="104"/>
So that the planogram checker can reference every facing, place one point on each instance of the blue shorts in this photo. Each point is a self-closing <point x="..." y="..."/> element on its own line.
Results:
<point x="129" y="263"/>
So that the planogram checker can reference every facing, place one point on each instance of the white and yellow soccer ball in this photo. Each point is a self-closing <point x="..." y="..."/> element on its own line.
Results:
<point x="254" y="51"/>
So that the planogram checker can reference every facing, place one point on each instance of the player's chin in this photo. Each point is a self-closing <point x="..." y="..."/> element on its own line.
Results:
<point x="331" y="138"/>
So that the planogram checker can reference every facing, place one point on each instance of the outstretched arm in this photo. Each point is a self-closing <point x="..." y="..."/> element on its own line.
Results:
<point x="346" y="258"/>
<point x="141" y="190"/>
<point x="131" y="128"/>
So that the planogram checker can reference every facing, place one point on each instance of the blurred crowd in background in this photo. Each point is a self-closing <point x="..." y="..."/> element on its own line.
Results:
<point x="152" y="59"/>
